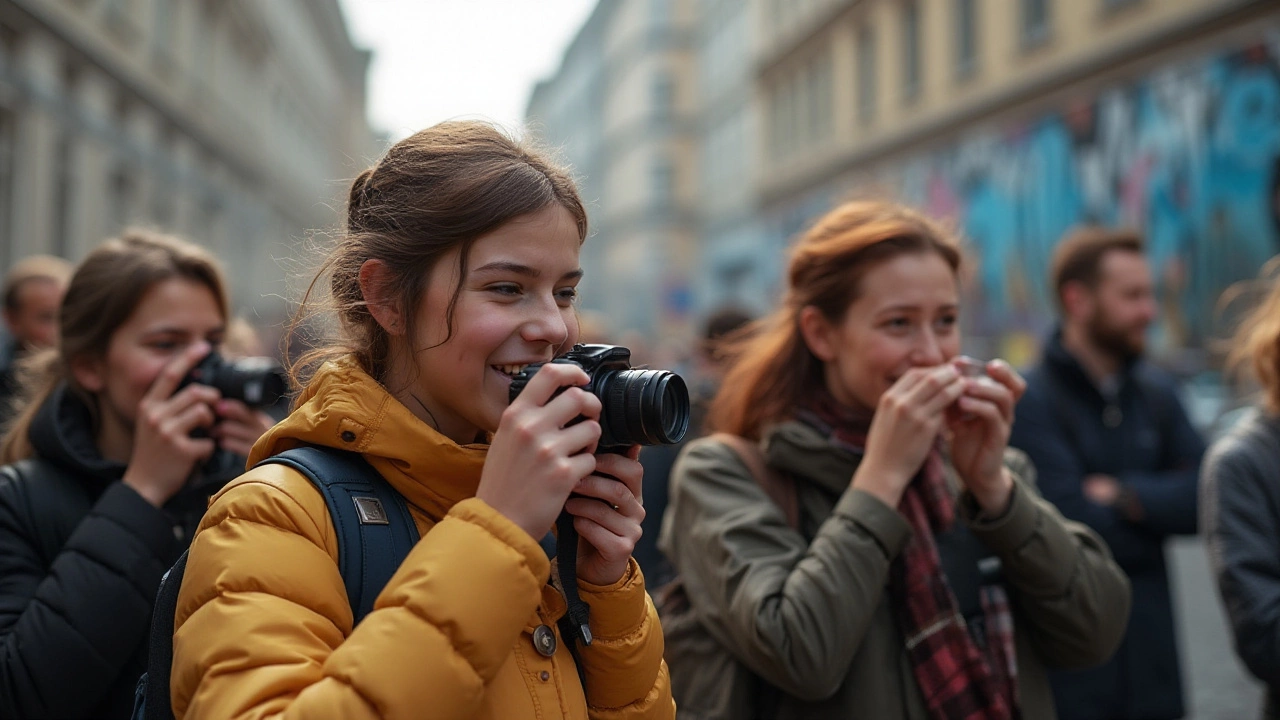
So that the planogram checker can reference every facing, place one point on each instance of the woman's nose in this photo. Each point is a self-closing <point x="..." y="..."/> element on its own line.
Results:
<point x="546" y="325"/>
<point x="928" y="352"/>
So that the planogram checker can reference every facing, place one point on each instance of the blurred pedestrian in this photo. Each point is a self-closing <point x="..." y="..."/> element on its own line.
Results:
<point x="1114" y="449"/>
<point x="32" y="292"/>
<point x="917" y="575"/>
<point x="658" y="459"/>
<point x="1240" y="506"/>
<point x="458" y="268"/>
<point x="95" y="499"/>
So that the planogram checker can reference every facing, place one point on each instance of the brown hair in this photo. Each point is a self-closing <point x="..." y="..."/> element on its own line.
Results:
<point x="439" y="189"/>
<point x="773" y="369"/>
<point x="47" y="268"/>
<point x="1256" y="344"/>
<point x="1078" y="257"/>
<point x="103" y="293"/>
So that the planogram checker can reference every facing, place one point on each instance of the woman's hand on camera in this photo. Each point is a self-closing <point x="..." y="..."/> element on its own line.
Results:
<point x="163" y="450"/>
<point x="908" y="418"/>
<point x="607" y="516"/>
<point x="239" y="426"/>
<point x="980" y="423"/>
<point x="536" y="457"/>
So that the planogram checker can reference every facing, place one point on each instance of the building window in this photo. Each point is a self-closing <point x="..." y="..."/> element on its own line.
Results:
<point x="819" y="97"/>
<point x="162" y="30"/>
<point x="663" y="94"/>
<point x="1035" y="22"/>
<point x="910" y="50"/>
<point x="8" y="139"/>
<point x="662" y="181"/>
<point x="966" y="37"/>
<point x="866" y="74"/>
<point x="122" y="191"/>
<point x="1112" y="5"/>
<point x="62" y="190"/>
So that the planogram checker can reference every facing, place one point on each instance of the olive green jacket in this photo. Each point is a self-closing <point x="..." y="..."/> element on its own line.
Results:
<point x="809" y="611"/>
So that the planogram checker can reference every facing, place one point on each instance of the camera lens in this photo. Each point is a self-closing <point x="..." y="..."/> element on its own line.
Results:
<point x="644" y="407"/>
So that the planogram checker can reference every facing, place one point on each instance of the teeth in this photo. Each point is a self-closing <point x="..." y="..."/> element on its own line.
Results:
<point x="511" y="369"/>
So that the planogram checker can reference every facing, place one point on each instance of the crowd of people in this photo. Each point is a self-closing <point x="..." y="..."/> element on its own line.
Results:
<point x="862" y="523"/>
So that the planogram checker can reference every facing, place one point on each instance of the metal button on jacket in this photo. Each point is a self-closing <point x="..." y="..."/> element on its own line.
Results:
<point x="544" y="641"/>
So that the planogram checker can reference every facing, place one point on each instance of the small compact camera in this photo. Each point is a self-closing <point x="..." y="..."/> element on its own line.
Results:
<point x="640" y="407"/>
<point x="258" y="382"/>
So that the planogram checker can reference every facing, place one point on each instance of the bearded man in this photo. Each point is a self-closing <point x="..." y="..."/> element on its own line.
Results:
<point x="1114" y="450"/>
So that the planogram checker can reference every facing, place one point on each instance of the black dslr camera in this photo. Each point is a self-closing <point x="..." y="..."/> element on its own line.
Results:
<point x="640" y="407"/>
<point x="256" y="381"/>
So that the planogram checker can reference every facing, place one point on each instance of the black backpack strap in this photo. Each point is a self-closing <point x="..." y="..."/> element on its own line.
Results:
<point x="375" y="534"/>
<point x="372" y="520"/>
<point x="151" y="699"/>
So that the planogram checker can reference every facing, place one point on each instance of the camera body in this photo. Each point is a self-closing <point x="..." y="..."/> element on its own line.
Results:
<point x="258" y="382"/>
<point x="639" y="407"/>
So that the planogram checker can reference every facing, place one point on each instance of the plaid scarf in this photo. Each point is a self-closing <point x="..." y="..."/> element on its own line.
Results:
<point x="959" y="681"/>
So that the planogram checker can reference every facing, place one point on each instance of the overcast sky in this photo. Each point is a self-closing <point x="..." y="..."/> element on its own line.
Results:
<point x="440" y="59"/>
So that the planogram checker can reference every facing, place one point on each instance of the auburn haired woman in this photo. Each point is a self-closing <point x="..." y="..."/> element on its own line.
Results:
<point x="923" y="578"/>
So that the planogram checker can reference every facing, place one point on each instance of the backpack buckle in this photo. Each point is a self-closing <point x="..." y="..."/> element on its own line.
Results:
<point x="370" y="511"/>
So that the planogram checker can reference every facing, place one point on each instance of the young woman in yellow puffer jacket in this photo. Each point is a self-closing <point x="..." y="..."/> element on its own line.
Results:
<point x="457" y="268"/>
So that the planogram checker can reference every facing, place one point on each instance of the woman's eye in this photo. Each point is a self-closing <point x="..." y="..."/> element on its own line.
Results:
<point x="567" y="295"/>
<point x="505" y="289"/>
<point x="948" y="321"/>
<point x="898" y="323"/>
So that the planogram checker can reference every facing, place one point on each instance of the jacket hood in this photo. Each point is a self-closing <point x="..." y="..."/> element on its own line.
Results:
<point x="62" y="433"/>
<point x="343" y="407"/>
<point x="799" y="449"/>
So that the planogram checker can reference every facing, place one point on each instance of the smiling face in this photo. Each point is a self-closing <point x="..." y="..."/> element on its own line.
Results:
<point x="514" y="308"/>
<point x="905" y="315"/>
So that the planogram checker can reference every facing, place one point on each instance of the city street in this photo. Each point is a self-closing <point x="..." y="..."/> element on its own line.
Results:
<point x="1219" y="687"/>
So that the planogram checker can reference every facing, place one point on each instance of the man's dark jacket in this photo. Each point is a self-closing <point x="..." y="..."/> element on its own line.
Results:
<point x="81" y="557"/>
<point x="1142" y="437"/>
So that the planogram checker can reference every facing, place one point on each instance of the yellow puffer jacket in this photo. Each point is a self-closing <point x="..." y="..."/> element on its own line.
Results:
<point x="263" y="627"/>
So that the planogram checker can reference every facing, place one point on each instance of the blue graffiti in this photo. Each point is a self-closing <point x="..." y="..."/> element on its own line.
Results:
<point x="1191" y="155"/>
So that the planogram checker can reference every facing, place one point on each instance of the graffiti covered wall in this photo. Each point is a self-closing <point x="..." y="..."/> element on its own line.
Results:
<point x="1191" y="154"/>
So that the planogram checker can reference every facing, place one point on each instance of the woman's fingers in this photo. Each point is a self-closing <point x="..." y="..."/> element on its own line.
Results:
<point x="1003" y="373"/>
<point x="185" y="421"/>
<point x="985" y="389"/>
<point x="623" y="467"/>
<point x="613" y="495"/>
<point x="173" y="373"/>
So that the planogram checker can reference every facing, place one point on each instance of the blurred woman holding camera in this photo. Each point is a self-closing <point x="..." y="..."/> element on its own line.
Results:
<point x="1240" y="503"/>
<point x="918" y="574"/>
<point x="458" y="268"/>
<point x="96" y="496"/>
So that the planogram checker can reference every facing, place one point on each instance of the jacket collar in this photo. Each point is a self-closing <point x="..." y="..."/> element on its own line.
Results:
<point x="1062" y="363"/>
<point x="799" y="449"/>
<point x="62" y="433"/>
<point x="344" y="407"/>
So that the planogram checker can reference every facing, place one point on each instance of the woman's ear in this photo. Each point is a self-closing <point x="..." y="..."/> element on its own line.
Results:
<point x="89" y="373"/>
<point x="375" y="286"/>
<point x="817" y="332"/>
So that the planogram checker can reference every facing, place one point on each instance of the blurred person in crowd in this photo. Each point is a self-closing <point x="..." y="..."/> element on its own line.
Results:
<point x="1114" y="449"/>
<point x="921" y="576"/>
<point x="1240" y="505"/>
<point x="457" y="269"/>
<point x="97" y="497"/>
<point x="658" y="459"/>
<point x="32" y="292"/>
